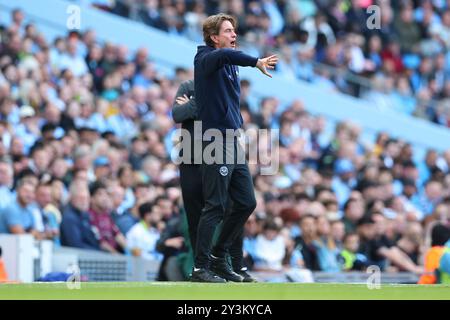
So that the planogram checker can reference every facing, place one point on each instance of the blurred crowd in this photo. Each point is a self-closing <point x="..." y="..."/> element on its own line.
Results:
<point x="85" y="161"/>
<point x="396" y="57"/>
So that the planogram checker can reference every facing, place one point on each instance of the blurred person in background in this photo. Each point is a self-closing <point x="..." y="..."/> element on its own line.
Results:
<point x="6" y="183"/>
<point x="17" y="217"/>
<point x="349" y="257"/>
<point x="124" y="219"/>
<point x="327" y="250"/>
<point x="76" y="229"/>
<point x="143" y="236"/>
<point x="439" y="236"/>
<point x="46" y="221"/>
<point x="306" y="242"/>
<point x="110" y="238"/>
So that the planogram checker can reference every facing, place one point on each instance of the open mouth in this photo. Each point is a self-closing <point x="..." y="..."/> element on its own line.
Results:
<point x="233" y="43"/>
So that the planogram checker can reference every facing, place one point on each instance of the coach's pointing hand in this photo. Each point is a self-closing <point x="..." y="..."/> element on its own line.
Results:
<point x="267" y="63"/>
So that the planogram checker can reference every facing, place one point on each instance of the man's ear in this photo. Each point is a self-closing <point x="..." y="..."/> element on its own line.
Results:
<point x="214" y="38"/>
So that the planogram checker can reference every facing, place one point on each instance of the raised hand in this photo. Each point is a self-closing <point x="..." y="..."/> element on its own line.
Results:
<point x="267" y="63"/>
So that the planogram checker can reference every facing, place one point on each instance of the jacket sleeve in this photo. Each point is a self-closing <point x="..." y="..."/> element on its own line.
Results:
<point x="216" y="59"/>
<point x="183" y="112"/>
<point x="72" y="234"/>
<point x="169" y="232"/>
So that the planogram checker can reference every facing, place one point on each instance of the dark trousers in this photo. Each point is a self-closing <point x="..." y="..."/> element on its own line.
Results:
<point x="192" y="192"/>
<point x="221" y="182"/>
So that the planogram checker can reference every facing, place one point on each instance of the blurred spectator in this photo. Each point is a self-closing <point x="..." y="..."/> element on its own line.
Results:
<point x="440" y="234"/>
<point x="72" y="60"/>
<point x="17" y="217"/>
<point x="353" y="212"/>
<point x="173" y="245"/>
<point x="3" y="274"/>
<point x="327" y="250"/>
<point x="124" y="219"/>
<point x="45" y="221"/>
<point x="351" y="259"/>
<point x="379" y="249"/>
<point x="6" y="183"/>
<point x="306" y="242"/>
<point x="123" y="124"/>
<point x="143" y="236"/>
<point x="76" y="229"/>
<point x="110" y="237"/>
<point x="270" y="248"/>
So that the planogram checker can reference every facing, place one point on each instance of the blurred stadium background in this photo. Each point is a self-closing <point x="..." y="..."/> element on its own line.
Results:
<point x="86" y="133"/>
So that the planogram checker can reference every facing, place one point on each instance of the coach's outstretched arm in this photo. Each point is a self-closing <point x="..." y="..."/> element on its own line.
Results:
<point x="216" y="59"/>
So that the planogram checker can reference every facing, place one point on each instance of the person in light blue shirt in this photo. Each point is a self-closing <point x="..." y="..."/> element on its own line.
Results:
<point x="6" y="181"/>
<point x="429" y="197"/>
<point x="28" y="128"/>
<point x="343" y="184"/>
<point x="122" y="124"/>
<point x="73" y="61"/>
<point x="17" y="218"/>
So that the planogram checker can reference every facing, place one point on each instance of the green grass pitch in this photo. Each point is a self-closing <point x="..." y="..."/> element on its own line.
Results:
<point x="232" y="291"/>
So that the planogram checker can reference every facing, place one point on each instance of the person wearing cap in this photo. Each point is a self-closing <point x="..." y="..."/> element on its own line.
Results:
<point x="28" y="129"/>
<point x="101" y="168"/>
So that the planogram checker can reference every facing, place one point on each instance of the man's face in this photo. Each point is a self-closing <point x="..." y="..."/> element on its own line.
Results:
<point x="308" y="226"/>
<point x="226" y="37"/>
<point x="355" y="211"/>
<point x="338" y="230"/>
<point x="270" y="234"/>
<point x="367" y="231"/>
<point x="26" y="194"/>
<point x="41" y="160"/>
<point x="44" y="195"/>
<point x="166" y="208"/>
<point x="101" y="200"/>
<point x="352" y="243"/>
<point x="81" y="200"/>
<point x="6" y="174"/>
<point x="117" y="194"/>
<point x="153" y="217"/>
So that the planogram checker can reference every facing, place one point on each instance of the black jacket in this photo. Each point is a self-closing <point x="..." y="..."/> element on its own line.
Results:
<point x="186" y="114"/>
<point x="217" y="86"/>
